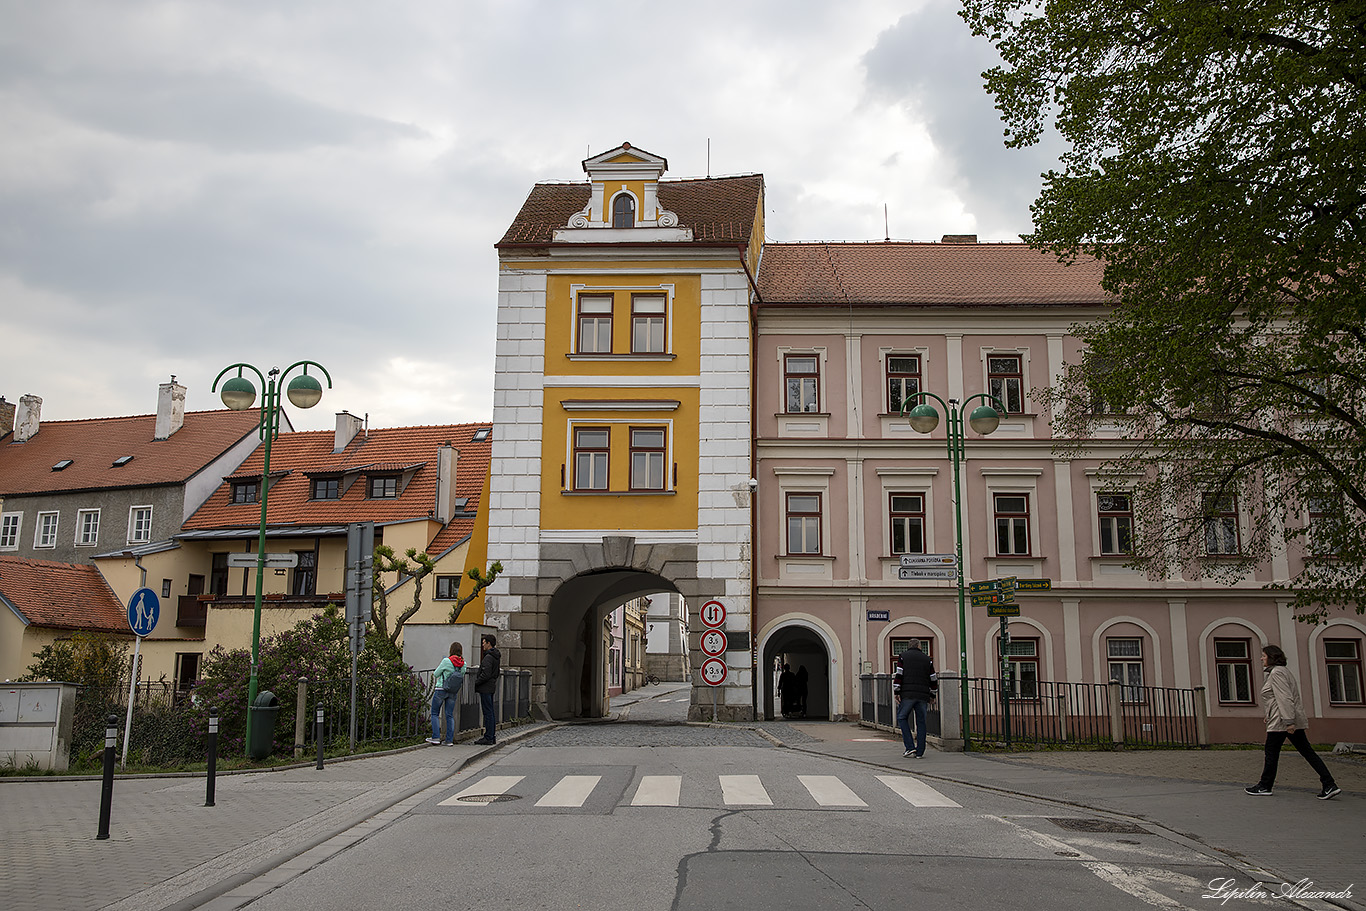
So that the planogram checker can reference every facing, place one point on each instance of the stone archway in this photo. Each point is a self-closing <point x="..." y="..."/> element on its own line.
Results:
<point x="799" y="646"/>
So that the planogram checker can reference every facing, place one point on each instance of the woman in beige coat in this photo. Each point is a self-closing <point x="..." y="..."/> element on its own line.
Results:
<point x="1285" y="718"/>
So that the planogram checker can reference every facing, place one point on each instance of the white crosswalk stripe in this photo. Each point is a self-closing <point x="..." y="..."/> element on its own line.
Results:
<point x="658" y="791"/>
<point x="916" y="792"/>
<point x="746" y="790"/>
<point x="570" y="791"/>
<point x="829" y="791"/>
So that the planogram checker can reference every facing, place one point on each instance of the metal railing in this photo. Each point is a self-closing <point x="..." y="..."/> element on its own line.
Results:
<point x="879" y="705"/>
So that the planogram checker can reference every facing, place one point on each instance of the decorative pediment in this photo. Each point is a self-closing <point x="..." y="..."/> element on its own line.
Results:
<point x="624" y="201"/>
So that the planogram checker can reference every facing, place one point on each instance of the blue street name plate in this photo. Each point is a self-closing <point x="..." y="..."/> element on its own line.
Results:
<point x="879" y="615"/>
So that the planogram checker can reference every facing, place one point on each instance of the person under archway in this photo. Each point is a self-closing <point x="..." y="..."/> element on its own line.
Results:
<point x="802" y="684"/>
<point x="787" y="691"/>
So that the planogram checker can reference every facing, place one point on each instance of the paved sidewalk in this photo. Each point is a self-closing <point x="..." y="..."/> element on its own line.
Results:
<point x="1195" y="794"/>
<point x="50" y="859"/>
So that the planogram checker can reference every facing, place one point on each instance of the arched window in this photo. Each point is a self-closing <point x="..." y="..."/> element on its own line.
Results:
<point x="624" y="211"/>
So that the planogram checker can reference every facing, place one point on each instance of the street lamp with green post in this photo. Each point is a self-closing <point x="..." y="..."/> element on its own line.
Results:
<point x="984" y="419"/>
<point x="239" y="394"/>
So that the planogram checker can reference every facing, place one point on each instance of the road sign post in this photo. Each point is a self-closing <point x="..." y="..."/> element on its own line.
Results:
<point x="144" y="610"/>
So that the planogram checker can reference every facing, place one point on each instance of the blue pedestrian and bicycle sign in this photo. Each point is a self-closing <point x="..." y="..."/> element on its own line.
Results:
<point x="144" y="610"/>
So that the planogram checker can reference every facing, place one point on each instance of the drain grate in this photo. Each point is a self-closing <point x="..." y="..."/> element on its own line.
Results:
<point x="1076" y="824"/>
<point x="488" y="798"/>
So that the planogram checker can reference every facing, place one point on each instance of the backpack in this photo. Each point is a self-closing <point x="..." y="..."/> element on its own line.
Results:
<point x="454" y="680"/>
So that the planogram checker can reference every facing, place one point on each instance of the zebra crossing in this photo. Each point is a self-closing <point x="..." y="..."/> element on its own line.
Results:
<point x="824" y="791"/>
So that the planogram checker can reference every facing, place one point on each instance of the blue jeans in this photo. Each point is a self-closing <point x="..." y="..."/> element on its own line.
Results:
<point x="903" y="720"/>
<point x="489" y="708"/>
<point x="443" y="701"/>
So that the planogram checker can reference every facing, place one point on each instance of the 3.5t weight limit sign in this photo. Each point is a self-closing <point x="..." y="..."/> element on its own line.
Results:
<point x="713" y="672"/>
<point x="713" y="643"/>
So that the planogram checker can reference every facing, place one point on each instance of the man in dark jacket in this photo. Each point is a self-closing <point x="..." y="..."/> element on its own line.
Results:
<point x="914" y="685"/>
<point x="486" y="685"/>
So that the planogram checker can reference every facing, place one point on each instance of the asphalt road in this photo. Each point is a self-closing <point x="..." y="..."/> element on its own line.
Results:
<point x="708" y="819"/>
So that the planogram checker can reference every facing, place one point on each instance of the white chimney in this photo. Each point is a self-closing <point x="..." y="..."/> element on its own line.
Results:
<point x="348" y="425"/>
<point x="446" y="458"/>
<point x="170" y="409"/>
<point x="26" y="418"/>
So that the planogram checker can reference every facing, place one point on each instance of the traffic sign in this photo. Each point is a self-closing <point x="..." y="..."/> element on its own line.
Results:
<point x="1033" y="585"/>
<point x="1003" y="610"/>
<point x="993" y="585"/>
<point x="144" y="610"/>
<point x="926" y="572"/>
<point x="713" y="643"/>
<point x="713" y="614"/>
<point x="879" y="615"/>
<point x="929" y="559"/>
<point x="713" y="672"/>
<point x="273" y="561"/>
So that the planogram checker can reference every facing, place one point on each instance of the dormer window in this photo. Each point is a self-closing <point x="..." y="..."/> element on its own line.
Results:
<point x="383" y="487"/>
<point x="245" y="491"/>
<point x="624" y="211"/>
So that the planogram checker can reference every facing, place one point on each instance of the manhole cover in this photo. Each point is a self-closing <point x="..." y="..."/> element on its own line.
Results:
<point x="1099" y="825"/>
<point x="487" y="798"/>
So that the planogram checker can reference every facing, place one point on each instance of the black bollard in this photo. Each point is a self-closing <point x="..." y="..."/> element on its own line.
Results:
<point x="213" y="756"/>
<point x="111" y="737"/>
<point x="318" y="735"/>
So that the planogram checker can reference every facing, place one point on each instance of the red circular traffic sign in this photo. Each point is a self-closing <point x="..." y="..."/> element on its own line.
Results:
<point x="713" y="672"/>
<point x="713" y="614"/>
<point x="713" y="643"/>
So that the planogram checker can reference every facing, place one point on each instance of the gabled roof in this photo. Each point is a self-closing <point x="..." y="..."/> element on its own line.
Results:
<point x="93" y="445"/>
<point x="298" y="458"/>
<point x="720" y="210"/>
<point x="61" y="595"/>
<point x="927" y="274"/>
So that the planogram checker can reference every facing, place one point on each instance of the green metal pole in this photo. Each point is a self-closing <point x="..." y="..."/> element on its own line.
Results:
<point x="955" y="429"/>
<point x="268" y="418"/>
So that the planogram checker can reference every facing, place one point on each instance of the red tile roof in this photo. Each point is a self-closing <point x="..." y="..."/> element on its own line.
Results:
<point x="930" y="274"/>
<point x="94" y="444"/>
<point x="307" y="453"/>
<point x="61" y="595"/>
<point x="720" y="210"/>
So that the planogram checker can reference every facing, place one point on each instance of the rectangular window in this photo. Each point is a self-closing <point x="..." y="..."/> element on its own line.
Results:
<point x="1344" y="670"/>
<point x="10" y="524"/>
<point x="305" y="573"/>
<point x="1126" y="666"/>
<point x="595" y="324"/>
<point x="903" y="380"/>
<point x="165" y="588"/>
<point x="1012" y="524"/>
<point x="1005" y="381"/>
<point x="447" y="588"/>
<point x="908" y="523"/>
<point x="1233" y="668"/>
<point x="244" y="491"/>
<point x="326" y="488"/>
<point x="1325" y="525"/>
<point x="1022" y="655"/>
<point x="186" y="673"/>
<point x="383" y="487"/>
<point x="647" y="459"/>
<point x="139" y="524"/>
<point x="803" y="523"/>
<point x="900" y="645"/>
<point x="1115" y="516"/>
<point x="590" y="457"/>
<point x="46" y="532"/>
<point x="647" y="324"/>
<point x="218" y="575"/>
<point x="801" y="372"/>
<point x="1221" y="524"/>
<point x="87" y="527"/>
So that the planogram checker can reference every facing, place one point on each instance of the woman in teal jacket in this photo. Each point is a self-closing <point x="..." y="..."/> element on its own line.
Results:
<point x="450" y="674"/>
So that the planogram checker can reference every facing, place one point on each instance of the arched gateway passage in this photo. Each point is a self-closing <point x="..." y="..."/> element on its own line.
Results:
<point x="798" y="647"/>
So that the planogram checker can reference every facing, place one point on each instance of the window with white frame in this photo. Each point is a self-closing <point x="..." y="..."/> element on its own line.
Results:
<point x="595" y="324"/>
<point x="1005" y="380"/>
<point x="1022" y="656"/>
<point x="1012" y="524"/>
<point x="801" y="375"/>
<point x="908" y="523"/>
<point x="900" y="645"/>
<point x="1125" y="659"/>
<point x="647" y="458"/>
<point x="45" y="533"/>
<point x="1115" y="516"/>
<point x="1221" y="524"/>
<point x="139" y="524"/>
<point x="1343" y="657"/>
<point x="1325" y="518"/>
<point x="10" y="526"/>
<point x="647" y="323"/>
<point x="591" y="450"/>
<point x="1233" y="671"/>
<point x="87" y="527"/>
<point x="903" y="380"/>
<point x="803" y="523"/>
<point x="624" y="211"/>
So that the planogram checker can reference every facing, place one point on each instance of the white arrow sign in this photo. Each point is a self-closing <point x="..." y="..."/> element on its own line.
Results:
<point x="926" y="572"/>
<point x="273" y="561"/>
<point x="929" y="559"/>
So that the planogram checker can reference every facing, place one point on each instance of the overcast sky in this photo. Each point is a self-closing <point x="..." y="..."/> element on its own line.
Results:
<point x="184" y="185"/>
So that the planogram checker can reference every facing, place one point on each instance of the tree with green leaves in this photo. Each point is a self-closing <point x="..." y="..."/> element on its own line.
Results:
<point x="1216" y="165"/>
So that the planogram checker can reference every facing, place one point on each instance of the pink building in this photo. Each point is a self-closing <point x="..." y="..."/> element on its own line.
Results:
<point x="846" y="487"/>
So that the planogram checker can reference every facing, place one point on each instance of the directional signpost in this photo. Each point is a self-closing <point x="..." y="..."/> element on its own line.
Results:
<point x="928" y="566"/>
<point x="144" y="610"/>
<point x="998" y="597"/>
<point x="273" y="561"/>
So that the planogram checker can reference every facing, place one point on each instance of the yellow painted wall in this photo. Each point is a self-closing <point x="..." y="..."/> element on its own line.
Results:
<point x="684" y="319"/>
<point x="611" y="188"/>
<point x="476" y="554"/>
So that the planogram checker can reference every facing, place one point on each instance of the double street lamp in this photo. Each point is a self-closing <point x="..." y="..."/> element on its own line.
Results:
<point x="984" y="419"/>
<point x="239" y="394"/>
